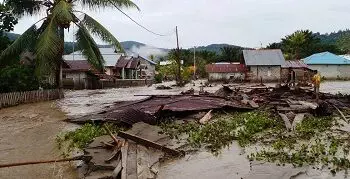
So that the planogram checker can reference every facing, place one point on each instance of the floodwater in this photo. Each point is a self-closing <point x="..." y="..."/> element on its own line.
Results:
<point x="231" y="163"/>
<point x="27" y="133"/>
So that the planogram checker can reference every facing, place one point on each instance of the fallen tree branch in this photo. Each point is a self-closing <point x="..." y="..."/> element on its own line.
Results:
<point x="341" y="113"/>
<point x="85" y="158"/>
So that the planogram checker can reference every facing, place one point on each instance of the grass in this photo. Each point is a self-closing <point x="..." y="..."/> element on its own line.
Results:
<point x="80" y="138"/>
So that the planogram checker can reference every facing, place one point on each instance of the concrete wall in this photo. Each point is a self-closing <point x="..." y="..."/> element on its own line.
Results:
<point x="267" y="73"/>
<point x="332" y="71"/>
<point x="226" y="76"/>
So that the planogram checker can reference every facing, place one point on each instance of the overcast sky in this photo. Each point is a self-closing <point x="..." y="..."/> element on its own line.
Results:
<point x="201" y="22"/>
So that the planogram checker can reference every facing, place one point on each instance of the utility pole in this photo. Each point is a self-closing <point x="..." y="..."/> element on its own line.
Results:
<point x="194" y="63"/>
<point x="178" y="60"/>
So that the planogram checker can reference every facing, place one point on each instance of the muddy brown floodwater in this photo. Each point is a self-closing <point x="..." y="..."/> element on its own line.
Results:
<point x="27" y="133"/>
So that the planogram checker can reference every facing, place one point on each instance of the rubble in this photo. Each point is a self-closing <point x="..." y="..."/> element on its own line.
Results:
<point x="144" y="146"/>
<point x="163" y="87"/>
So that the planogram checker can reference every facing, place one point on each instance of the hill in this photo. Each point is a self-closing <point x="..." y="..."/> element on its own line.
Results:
<point x="213" y="47"/>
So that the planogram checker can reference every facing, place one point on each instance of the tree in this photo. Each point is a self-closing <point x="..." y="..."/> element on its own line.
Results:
<point x="344" y="42"/>
<point x="300" y="44"/>
<point x="7" y="19"/>
<point x="230" y="54"/>
<point x="7" y="22"/>
<point x="274" y="46"/>
<point x="47" y="41"/>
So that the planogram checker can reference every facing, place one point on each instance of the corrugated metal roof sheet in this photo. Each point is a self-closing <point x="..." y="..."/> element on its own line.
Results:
<point x="326" y="58"/>
<point x="225" y="68"/>
<point x="273" y="57"/>
<point x="294" y="64"/>
<point x="82" y="65"/>
<point x="122" y="62"/>
<point x="108" y="54"/>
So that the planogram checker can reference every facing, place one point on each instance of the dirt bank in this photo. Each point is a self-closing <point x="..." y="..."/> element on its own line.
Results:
<point x="27" y="133"/>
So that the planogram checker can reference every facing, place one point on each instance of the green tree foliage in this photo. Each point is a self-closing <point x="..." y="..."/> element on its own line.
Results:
<point x="344" y="42"/>
<point x="7" y="22"/>
<point x="7" y="19"/>
<point x="300" y="44"/>
<point x="47" y="41"/>
<point x="230" y="54"/>
<point x="303" y="43"/>
<point x="21" y="75"/>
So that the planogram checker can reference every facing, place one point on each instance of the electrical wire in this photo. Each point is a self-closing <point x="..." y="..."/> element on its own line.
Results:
<point x="145" y="28"/>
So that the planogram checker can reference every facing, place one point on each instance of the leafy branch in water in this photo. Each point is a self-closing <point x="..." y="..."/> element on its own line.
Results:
<point x="80" y="138"/>
<point x="224" y="129"/>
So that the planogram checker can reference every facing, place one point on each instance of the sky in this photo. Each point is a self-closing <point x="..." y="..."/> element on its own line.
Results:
<point x="247" y="23"/>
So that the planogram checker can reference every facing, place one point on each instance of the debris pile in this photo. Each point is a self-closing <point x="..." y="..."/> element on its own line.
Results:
<point x="137" y="152"/>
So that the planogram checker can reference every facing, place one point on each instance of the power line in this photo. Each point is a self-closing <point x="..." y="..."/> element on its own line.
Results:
<point x="140" y="24"/>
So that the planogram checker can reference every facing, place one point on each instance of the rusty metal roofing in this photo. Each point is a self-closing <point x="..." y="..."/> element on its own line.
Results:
<point x="270" y="57"/>
<point x="123" y="62"/>
<point x="225" y="68"/>
<point x="294" y="64"/>
<point x="78" y="65"/>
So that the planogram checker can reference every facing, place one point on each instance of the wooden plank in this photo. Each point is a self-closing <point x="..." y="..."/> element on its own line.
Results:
<point x="124" y="151"/>
<point x="143" y="171"/>
<point x="131" y="168"/>
<point x="148" y="143"/>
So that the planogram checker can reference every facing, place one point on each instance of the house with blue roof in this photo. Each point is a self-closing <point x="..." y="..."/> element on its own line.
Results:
<point x="330" y="66"/>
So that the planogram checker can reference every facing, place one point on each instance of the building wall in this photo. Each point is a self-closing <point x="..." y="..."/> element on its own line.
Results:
<point x="79" y="80"/>
<point x="226" y="76"/>
<point x="301" y="74"/>
<point x="109" y="70"/>
<point x="151" y="69"/>
<point x="266" y="73"/>
<point x="332" y="71"/>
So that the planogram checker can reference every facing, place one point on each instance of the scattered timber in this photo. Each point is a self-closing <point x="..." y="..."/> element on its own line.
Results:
<point x="149" y="143"/>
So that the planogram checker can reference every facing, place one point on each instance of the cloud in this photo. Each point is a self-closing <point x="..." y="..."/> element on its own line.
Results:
<point x="146" y="51"/>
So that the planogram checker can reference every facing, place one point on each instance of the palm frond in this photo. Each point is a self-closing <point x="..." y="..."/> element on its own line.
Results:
<point x="108" y="3"/>
<point x="22" y="43"/>
<point x="89" y="48"/>
<point x="48" y="48"/>
<point x="23" y="7"/>
<point x="97" y="29"/>
<point x="63" y="13"/>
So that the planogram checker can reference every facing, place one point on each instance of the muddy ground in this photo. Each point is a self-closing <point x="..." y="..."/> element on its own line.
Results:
<point x="27" y="133"/>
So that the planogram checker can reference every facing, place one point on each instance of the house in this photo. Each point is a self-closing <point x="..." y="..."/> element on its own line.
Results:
<point x="78" y="74"/>
<point x="130" y="66"/>
<point x="329" y="65"/>
<point x="109" y="55"/>
<point x="147" y="68"/>
<point x="263" y="65"/>
<point x="127" y="68"/>
<point x="226" y="72"/>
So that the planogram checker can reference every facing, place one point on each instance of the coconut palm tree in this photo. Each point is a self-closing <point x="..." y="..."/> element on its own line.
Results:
<point x="47" y="41"/>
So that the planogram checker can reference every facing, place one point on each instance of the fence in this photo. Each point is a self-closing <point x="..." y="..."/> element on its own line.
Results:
<point x="15" y="98"/>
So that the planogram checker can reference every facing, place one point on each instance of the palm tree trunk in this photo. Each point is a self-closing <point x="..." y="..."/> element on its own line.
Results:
<point x="59" y="62"/>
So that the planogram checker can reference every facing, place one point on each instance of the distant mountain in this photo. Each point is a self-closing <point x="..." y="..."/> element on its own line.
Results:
<point x="331" y="38"/>
<point x="213" y="47"/>
<point x="12" y="36"/>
